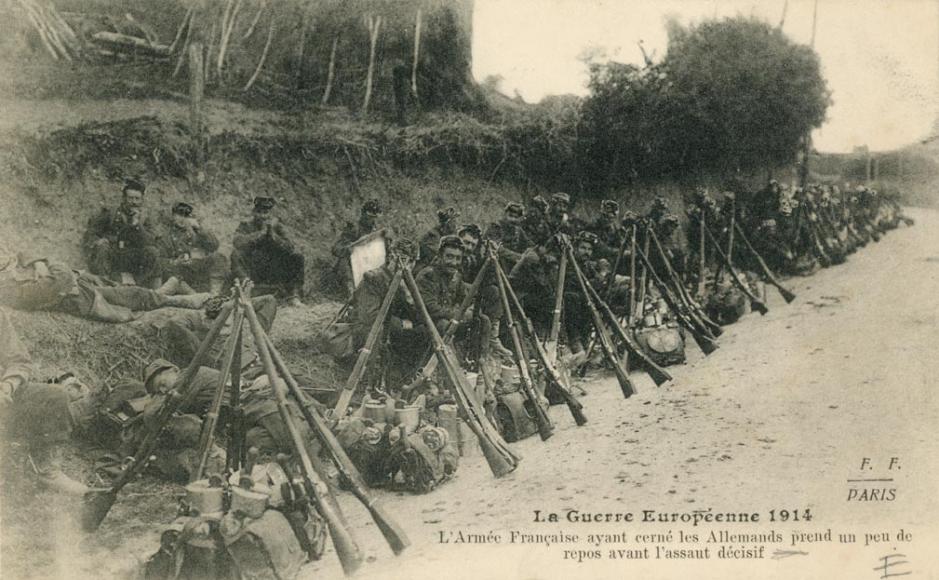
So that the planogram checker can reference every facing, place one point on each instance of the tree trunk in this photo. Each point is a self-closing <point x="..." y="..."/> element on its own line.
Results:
<point x="196" y="92"/>
<point x="227" y="28"/>
<point x="417" y="53"/>
<point x="331" y="72"/>
<point x="267" y="47"/>
<point x="374" y="25"/>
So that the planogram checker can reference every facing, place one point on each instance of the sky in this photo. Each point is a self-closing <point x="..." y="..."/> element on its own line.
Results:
<point x="880" y="57"/>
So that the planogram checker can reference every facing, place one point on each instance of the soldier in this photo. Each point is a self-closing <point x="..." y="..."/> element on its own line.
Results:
<point x="183" y="333"/>
<point x="264" y="253"/>
<point x="487" y="298"/>
<point x="352" y="231"/>
<point x="534" y="278"/>
<point x="535" y="221"/>
<point x="189" y="253"/>
<point x="403" y="341"/>
<point x="35" y="414"/>
<point x="35" y="283"/>
<point x="446" y="226"/>
<point x="442" y="286"/>
<point x="510" y="235"/>
<point x="559" y="221"/>
<point x="120" y="244"/>
<point x="608" y="229"/>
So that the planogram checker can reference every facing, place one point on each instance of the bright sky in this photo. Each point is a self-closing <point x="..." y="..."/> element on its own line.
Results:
<point x="880" y="57"/>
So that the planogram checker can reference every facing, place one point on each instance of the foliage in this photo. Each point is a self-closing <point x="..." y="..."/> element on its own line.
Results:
<point x="730" y="95"/>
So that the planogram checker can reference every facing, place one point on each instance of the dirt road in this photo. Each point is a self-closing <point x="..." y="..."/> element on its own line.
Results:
<point x="780" y="417"/>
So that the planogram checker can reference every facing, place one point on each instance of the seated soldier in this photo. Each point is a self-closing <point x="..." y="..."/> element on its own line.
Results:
<point x="535" y="221"/>
<point x="559" y="218"/>
<point x="183" y="333"/>
<point x="352" y="232"/>
<point x="403" y="341"/>
<point x="510" y="234"/>
<point x="264" y="253"/>
<point x="442" y="286"/>
<point x="487" y="297"/>
<point x="36" y="283"/>
<point x="534" y="278"/>
<point x="609" y="230"/>
<point x="446" y="226"/>
<point x="34" y="414"/>
<point x="189" y="255"/>
<point x="120" y="244"/>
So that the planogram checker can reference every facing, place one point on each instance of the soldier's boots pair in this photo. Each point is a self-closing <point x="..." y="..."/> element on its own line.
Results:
<point x="191" y="301"/>
<point x="46" y="464"/>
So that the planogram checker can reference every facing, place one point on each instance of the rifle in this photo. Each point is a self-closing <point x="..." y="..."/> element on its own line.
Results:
<point x="392" y="532"/>
<point x="500" y="458"/>
<point x="694" y="310"/>
<point x="97" y="503"/>
<point x="705" y="342"/>
<point x="431" y="365"/>
<point x="235" y="454"/>
<point x="552" y="376"/>
<point x="768" y="275"/>
<point x="657" y="373"/>
<point x="362" y="360"/>
<point x="754" y="301"/>
<point x="603" y="334"/>
<point x="207" y="437"/>
<point x="545" y="428"/>
<point x="702" y="263"/>
<point x="347" y="549"/>
<point x="551" y="346"/>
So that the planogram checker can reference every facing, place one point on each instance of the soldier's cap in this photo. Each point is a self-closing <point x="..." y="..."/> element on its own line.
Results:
<point x="609" y="206"/>
<point x="589" y="237"/>
<point x="153" y="369"/>
<point x="447" y="215"/>
<point x="540" y="202"/>
<point x="404" y="247"/>
<point x="629" y="217"/>
<point x="213" y="306"/>
<point x="514" y="208"/>
<point x="372" y="207"/>
<point x="471" y="229"/>
<point x="133" y="184"/>
<point x="560" y="197"/>
<point x="182" y="208"/>
<point x="264" y="203"/>
<point x="450" y="242"/>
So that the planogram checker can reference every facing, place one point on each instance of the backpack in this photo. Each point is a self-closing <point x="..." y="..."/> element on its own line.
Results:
<point x="425" y="458"/>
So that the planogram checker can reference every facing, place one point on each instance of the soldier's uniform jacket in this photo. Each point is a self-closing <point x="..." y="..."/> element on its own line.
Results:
<point x="351" y="232"/>
<point x="428" y="246"/>
<point x="251" y="233"/>
<point x="116" y="227"/>
<point x="512" y="237"/>
<point x="442" y="292"/>
<point x="368" y="297"/>
<point x="610" y="235"/>
<point x="535" y="274"/>
<point x="536" y="227"/>
<point x="179" y="241"/>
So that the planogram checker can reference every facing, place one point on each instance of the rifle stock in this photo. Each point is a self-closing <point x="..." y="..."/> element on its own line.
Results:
<point x="347" y="549"/>
<point x="757" y="304"/>
<point x="554" y="380"/>
<point x="603" y="335"/>
<point x="768" y="275"/>
<point x="394" y="535"/>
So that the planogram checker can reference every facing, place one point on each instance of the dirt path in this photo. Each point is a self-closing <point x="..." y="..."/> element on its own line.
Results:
<point x="778" y="418"/>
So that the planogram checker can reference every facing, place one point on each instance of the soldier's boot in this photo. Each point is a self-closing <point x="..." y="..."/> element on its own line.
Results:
<point x="191" y="301"/>
<point x="46" y="463"/>
<point x="496" y="347"/>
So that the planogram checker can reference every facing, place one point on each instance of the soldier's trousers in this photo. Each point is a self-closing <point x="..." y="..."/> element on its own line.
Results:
<point x="96" y="300"/>
<point x="39" y="417"/>
<point x="106" y="259"/>
<point x="198" y="271"/>
<point x="270" y="268"/>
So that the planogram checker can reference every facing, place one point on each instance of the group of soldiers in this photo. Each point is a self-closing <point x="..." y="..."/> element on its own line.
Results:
<point x="138" y="264"/>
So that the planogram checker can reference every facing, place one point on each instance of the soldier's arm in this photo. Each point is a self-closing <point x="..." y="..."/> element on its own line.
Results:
<point x="346" y="237"/>
<point x="281" y="238"/>
<point x="431" y="293"/>
<point x="15" y="364"/>
<point x="99" y="227"/>
<point x="204" y="239"/>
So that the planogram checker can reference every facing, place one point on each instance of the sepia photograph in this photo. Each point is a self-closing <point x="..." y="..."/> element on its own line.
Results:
<point x="469" y="289"/>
